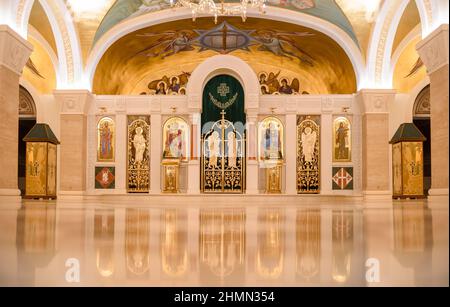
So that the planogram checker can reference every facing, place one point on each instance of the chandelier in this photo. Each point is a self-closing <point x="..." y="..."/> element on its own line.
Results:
<point x="220" y="9"/>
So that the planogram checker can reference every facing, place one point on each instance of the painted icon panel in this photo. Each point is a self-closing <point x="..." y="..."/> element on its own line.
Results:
<point x="106" y="140"/>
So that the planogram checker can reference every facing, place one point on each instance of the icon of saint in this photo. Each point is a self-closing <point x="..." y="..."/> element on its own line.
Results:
<point x="139" y="145"/>
<point x="214" y="147"/>
<point x="341" y="140"/>
<point x="106" y="141"/>
<point x="232" y="149"/>
<point x="309" y="138"/>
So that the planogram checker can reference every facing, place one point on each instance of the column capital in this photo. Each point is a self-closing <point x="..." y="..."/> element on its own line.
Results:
<point x="74" y="101"/>
<point x="375" y="100"/>
<point x="14" y="50"/>
<point x="433" y="49"/>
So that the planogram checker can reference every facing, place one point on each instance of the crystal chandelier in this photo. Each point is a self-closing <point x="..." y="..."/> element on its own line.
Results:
<point x="220" y="9"/>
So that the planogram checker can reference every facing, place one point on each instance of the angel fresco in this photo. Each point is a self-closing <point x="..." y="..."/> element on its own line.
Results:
<point x="172" y="85"/>
<point x="289" y="89"/>
<point x="168" y="43"/>
<point x="271" y="84"/>
<point x="283" y="44"/>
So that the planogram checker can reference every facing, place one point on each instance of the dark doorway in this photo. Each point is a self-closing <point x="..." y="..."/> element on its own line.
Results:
<point x="422" y="119"/>
<point x="25" y="126"/>
<point x="27" y="120"/>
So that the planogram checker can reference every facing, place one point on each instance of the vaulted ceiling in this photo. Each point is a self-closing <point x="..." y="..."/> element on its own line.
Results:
<point x="357" y="19"/>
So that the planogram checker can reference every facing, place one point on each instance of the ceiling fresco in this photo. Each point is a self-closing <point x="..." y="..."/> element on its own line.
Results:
<point x="134" y="61"/>
<point x="39" y="70"/>
<point x="326" y="9"/>
<point x="409" y="70"/>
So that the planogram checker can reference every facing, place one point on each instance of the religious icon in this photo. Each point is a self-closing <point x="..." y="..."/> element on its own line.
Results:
<point x="285" y="88"/>
<point x="176" y="139"/>
<point x="308" y="154"/>
<point x="309" y="138"/>
<point x="139" y="144"/>
<point x="271" y="139"/>
<point x="214" y="148"/>
<point x="342" y="140"/>
<point x="138" y="164"/>
<point x="232" y="149"/>
<point x="106" y="137"/>
<point x="174" y="86"/>
<point x="161" y="89"/>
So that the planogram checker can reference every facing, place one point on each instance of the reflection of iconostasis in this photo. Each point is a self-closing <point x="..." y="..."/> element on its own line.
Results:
<point x="271" y="153"/>
<point x="137" y="243"/>
<point x="222" y="244"/>
<point x="342" y="245"/>
<point x="308" y="248"/>
<point x="176" y="144"/>
<point x="270" y="243"/>
<point x="104" y="241"/>
<point x="174" y="242"/>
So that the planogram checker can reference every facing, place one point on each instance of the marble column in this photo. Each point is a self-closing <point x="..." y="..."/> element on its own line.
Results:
<point x="252" y="161"/>
<point x="376" y="151"/>
<point x="434" y="51"/>
<point x="156" y="152"/>
<point x="326" y="149"/>
<point x="290" y="148"/>
<point x="14" y="53"/>
<point x="194" y="160"/>
<point x="74" y="106"/>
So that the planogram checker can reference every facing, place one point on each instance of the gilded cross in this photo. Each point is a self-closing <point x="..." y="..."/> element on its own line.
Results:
<point x="223" y="90"/>
<point x="223" y="118"/>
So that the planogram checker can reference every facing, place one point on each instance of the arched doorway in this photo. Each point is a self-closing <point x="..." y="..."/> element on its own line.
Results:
<point x="223" y="145"/>
<point x="27" y="120"/>
<point x="422" y="119"/>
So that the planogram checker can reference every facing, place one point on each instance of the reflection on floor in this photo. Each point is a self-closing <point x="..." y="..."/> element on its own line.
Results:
<point x="209" y="243"/>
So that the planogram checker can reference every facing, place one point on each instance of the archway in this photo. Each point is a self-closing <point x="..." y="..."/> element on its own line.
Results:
<point x="223" y="141"/>
<point x="27" y="120"/>
<point x="422" y="119"/>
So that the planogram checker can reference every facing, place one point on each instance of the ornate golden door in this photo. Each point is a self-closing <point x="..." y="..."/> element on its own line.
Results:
<point x="223" y="159"/>
<point x="223" y="145"/>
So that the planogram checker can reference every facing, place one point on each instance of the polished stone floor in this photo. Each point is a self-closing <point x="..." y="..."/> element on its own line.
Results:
<point x="224" y="242"/>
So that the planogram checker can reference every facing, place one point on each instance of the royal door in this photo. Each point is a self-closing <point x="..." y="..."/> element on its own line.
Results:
<point x="223" y="137"/>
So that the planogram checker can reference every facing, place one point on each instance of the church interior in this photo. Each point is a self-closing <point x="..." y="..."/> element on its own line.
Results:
<point x="224" y="143"/>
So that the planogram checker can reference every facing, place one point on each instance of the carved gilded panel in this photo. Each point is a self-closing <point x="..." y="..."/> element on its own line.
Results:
<point x="397" y="168"/>
<point x="36" y="168"/>
<point x="52" y="158"/>
<point x="412" y="168"/>
<point x="138" y="160"/>
<point x="308" y="154"/>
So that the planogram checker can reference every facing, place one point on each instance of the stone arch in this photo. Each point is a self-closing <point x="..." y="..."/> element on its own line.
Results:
<point x="27" y="106"/>
<point x="422" y="104"/>
<point x="218" y="65"/>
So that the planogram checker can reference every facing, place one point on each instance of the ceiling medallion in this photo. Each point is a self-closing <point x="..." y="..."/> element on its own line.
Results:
<point x="220" y="9"/>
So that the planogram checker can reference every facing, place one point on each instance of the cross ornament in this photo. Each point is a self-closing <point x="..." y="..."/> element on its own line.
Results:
<point x="223" y="90"/>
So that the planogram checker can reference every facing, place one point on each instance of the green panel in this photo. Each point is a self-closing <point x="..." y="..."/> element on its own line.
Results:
<point x="215" y="100"/>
